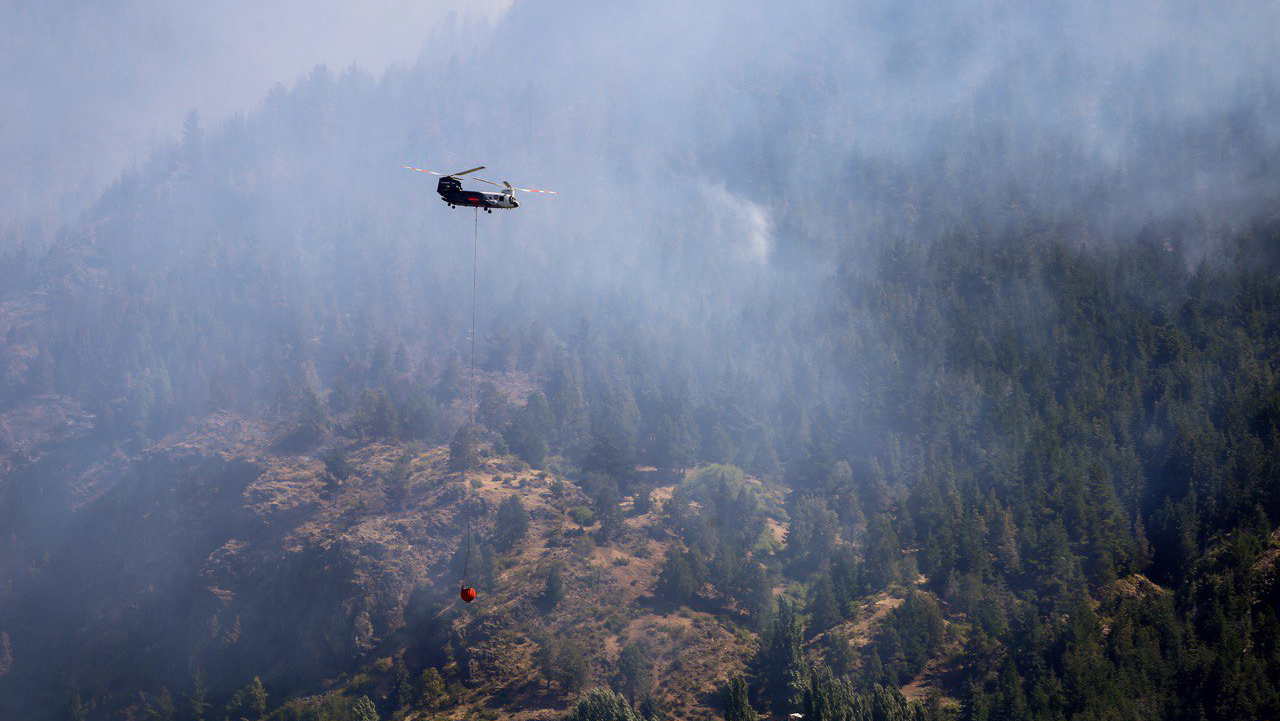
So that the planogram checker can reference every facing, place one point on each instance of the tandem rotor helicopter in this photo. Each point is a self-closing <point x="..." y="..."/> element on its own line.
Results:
<point x="451" y="192"/>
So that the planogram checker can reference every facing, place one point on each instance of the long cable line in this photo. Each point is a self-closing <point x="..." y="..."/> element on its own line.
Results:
<point x="471" y="404"/>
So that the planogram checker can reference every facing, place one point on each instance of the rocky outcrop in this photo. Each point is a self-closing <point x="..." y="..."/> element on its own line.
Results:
<point x="210" y="551"/>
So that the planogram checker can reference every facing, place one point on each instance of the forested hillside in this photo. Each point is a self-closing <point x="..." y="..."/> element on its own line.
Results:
<point x="902" y="371"/>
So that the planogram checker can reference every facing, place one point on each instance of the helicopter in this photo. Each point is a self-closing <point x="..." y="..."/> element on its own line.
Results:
<point x="451" y="192"/>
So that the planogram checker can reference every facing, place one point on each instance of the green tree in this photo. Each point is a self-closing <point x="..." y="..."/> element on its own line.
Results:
<point x="256" y="698"/>
<point x="561" y="661"/>
<point x="812" y="535"/>
<point x="601" y="704"/>
<point x="396" y="481"/>
<point x="607" y="505"/>
<point x="492" y="407"/>
<point x="362" y="709"/>
<point x="572" y="667"/>
<point x="401" y="686"/>
<point x="568" y="402"/>
<point x="824" y="610"/>
<point x="511" y="524"/>
<point x="676" y="580"/>
<point x="336" y="464"/>
<point x="752" y="589"/>
<point x="431" y="690"/>
<point x="779" y="663"/>
<point x="650" y="709"/>
<point x="553" y="586"/>
<point x="418" y="417"/>
<point x="160" y="707"/>
<point x="911" y="634"/>
<point x="192" y="140"/>
<point x="462" y="452"/>
<point x="612" y="450"/>
<point x="377" y="417"/>
<point x="675" y="445"/>
<point x="76" y="708"/>
<point x="883" y="552"/>
<point x="838" y="654"/>
<point x="642" y="501"/>
<point x="527" y="433"/>
<point x="827" y="698"/>
<point x="197" y="702"/>
<point x="737" y="702"/>
<point x="635" y="671"/>
<point x="309" y="423"/>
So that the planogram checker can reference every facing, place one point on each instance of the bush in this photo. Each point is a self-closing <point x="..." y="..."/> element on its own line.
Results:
<point x="337" y="465"/>
<point x="582" y="516"/>
<point x="553" y="587"/>
<point x="512" y="523"/>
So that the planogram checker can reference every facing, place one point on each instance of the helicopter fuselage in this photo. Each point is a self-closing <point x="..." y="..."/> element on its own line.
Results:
<point x="451" y="192"/>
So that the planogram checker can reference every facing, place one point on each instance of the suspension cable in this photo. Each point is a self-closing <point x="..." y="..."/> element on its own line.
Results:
<point x="471" y="404"/>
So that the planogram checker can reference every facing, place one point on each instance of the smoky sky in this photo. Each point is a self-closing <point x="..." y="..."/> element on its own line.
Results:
<point x="717" y="162"/>
<point x="90" y="87"/>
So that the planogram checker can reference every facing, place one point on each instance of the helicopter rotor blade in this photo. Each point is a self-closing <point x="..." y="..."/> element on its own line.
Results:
<point x="509" y="186"/>
<point x="531" y="190"/>
<point x="447" y="175"/>
<point x="420" y="170"/>
<point x="503" y="184"/>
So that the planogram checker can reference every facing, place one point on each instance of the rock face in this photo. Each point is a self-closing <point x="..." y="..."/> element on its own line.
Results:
<point x="213" y="550"/>
<point x="206" y="551"/>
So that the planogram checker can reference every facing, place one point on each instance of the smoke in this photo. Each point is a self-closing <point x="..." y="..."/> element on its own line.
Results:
<point x="743" y="227"/>
<point x="92" y="87"/>
<point x="716" y="162"/>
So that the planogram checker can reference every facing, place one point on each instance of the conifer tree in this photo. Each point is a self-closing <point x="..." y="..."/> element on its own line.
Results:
<point x="76" y="708"/>
<point x="737" y="702"/>
<point x="161" y="707"/>
<point x="635" y="668"/>
<point x="553" y="586"/>
<point x="431" y="691"/>
<point x="255" y="698"/>
<point x="462" y="452"/>
<point x="779" y="663"/>
<point x="362" y="709"/>
<point x="511" y="523"/>
<point x="401" y="687"/>
<point x="197" y="703"/>
<point x="676" y="581"/>
<point x="824" y="611"/>
<point x="601" y="704"/>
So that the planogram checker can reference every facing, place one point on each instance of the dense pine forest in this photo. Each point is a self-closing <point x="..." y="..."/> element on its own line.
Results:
<point x="898" y="372"/>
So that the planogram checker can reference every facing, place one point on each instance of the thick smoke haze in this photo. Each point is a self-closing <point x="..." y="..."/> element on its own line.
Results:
<point x="90" y="87"/>
<point x="760" y="205"/>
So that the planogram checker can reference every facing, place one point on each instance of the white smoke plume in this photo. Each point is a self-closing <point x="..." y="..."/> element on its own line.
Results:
<point x="741" y="225"/>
